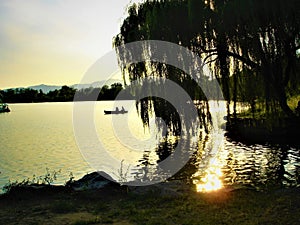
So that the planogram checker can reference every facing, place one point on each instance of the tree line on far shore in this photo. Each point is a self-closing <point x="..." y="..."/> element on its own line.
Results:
<point x="64" y="94"/>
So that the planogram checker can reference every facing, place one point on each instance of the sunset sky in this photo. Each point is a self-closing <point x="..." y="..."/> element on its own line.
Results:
<point x="55" y="41"/>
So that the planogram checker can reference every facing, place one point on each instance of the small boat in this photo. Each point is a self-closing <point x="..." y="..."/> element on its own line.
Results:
<point x="4" y="108"/>
<point x="115" y="112"/>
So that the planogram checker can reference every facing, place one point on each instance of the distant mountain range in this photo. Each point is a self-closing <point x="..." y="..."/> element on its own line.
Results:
<point x="46" y="88"/>
<point x="96" y="84"/>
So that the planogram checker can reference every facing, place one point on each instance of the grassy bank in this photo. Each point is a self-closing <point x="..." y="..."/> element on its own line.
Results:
<point x="266" y="127"/>
<point x="122" y="206"/>
<point x="261" y="131"/>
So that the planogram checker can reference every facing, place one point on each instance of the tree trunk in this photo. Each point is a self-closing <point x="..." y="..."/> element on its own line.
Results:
<point x="234" y="95"/>
<point x="283" y="102"/>
<point x="222" y="50"/>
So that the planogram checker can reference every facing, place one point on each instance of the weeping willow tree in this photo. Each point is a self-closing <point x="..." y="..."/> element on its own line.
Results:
<point x="251" y="46"/>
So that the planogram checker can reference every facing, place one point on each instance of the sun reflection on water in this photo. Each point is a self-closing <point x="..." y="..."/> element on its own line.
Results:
<point x="211" y="181"/>
<point x="211" y="155"/>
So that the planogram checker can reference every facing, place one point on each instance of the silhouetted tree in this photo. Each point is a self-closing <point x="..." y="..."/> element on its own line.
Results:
<point x="249" y="45"/>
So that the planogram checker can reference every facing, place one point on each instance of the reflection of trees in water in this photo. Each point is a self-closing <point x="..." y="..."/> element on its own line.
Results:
<point x="261" y="166"/>
<point x="288" y="168"/>
<point x="165" y="149"/>
<point x="147" y="164"/>
<point x="257" y="166"/>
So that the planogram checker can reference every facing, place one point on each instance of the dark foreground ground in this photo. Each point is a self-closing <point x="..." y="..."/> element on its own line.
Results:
<point x="159" y="205"/>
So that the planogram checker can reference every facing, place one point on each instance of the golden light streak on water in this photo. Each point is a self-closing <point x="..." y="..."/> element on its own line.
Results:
<point x="211" y="178"/>
<point x="211" y="181"/>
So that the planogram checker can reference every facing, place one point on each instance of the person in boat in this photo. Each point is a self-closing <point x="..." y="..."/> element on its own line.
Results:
<point x="117" y="109"/>
<point x="123" y="110"/>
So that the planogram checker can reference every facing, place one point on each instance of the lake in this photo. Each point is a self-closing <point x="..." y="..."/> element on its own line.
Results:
<point x="38" y="136"/>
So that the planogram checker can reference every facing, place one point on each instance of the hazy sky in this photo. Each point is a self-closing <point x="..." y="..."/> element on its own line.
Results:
<point x="54" y="41"/>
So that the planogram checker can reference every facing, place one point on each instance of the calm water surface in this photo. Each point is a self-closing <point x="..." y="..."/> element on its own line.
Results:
<point x="39" y="136"/>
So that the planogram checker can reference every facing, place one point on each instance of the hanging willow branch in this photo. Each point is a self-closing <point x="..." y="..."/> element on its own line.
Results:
<point x="253" y="40"/>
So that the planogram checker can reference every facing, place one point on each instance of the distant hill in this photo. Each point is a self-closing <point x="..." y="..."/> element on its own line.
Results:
<point x="96" y="84"/>
<point x="46" y="88"/>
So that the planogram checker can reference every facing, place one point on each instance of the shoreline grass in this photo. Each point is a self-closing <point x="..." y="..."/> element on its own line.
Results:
<point x="60" y="205"/>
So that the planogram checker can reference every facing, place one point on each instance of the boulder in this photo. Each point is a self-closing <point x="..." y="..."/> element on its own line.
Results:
<point x="94" y="180"/>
